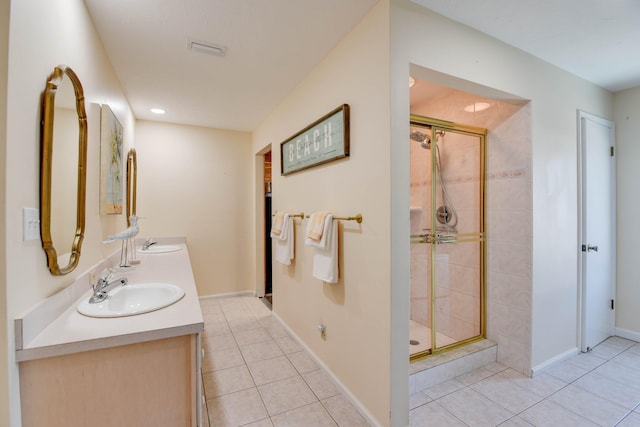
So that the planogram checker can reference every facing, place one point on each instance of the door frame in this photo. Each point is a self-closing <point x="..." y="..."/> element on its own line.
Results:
<point x="259" y="229"/>
<point x="581" y="223"/>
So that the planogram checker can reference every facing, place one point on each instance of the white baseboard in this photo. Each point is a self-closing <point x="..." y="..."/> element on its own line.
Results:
<point x="354" y="401"/>
<point x="227" y="295"/>
<point x="554" y="361"/>
<point x="630" y="335"/>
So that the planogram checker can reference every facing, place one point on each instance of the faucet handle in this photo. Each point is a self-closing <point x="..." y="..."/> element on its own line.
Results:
<point x="107" y="274"/>
<point x="148" y="242"/>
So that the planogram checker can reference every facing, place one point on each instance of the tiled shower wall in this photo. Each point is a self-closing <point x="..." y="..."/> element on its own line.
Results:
<point x="508" y="217"/>
<point x="509" y="231"/>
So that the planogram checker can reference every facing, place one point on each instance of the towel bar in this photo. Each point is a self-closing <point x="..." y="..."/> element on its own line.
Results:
<point x="300" y="215"/>
<point x="357" y="218"/>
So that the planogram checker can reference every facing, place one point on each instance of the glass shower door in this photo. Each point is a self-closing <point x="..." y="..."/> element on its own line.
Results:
<point x="451" y="242"/>
<point x="457" y="228"/>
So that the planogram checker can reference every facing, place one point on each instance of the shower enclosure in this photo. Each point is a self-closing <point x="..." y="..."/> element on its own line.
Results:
<point x="447" y="235"/>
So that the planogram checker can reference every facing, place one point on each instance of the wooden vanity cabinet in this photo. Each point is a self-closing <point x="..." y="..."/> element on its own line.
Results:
<point x="153" y="383"/>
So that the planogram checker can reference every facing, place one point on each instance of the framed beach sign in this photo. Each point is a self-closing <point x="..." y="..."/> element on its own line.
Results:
<point x="110" y="163"/>
<point x="323" y="141"/>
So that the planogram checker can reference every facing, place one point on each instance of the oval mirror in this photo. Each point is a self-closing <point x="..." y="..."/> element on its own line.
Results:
<point x="63" y="170"/>
<point x="132" y="184"/>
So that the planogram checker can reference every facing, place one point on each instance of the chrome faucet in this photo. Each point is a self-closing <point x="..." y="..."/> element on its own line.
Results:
<point x="104" y="284"/>
<point x="147" y="244"/>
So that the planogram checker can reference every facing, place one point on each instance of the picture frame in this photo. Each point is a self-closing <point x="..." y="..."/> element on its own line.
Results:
<point x="323" y="141"/>
<point x="111" y="197"/>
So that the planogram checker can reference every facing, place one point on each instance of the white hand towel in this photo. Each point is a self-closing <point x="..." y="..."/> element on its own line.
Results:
<point x="325" y="257"/>
<point x="277" y="224"/>
<point x="279" y="231"/>
<point x="284" y="241"/>
<point x="315" y="227"/>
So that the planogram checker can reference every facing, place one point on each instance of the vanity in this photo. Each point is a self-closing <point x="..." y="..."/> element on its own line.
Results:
<point x="138" y="370"/>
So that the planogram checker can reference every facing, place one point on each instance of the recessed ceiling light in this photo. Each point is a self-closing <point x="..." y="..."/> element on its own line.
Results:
<point x="478" y="106"/>
<point x="206" y="47"/>
<point x="157" y="111"/>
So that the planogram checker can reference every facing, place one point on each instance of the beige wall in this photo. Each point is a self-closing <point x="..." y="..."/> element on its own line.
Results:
<point x="355" y="310"/>
<point x="43" y="34"/>
<point x="196" y="182"/>
<point x="626" y="108"/>
<point x="4" y="382"/>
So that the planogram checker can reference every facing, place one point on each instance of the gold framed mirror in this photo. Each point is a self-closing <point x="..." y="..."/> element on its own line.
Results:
<point x="132" y="184"/>
<point x="64" y="120"/>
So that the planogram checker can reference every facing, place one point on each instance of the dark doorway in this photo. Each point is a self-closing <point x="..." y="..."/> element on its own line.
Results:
<point x="267" y="220"/>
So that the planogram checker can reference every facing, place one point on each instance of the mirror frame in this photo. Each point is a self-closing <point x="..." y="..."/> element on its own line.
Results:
<point x="132" y="184"/>
<point x="48" y="108"/>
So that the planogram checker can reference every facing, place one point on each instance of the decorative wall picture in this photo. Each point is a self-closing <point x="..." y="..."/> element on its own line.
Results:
<point x="110" y="163"/>
<point x="324" y="140"/>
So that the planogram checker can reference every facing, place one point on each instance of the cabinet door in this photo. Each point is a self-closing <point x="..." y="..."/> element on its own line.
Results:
<point x="146" y="384"/>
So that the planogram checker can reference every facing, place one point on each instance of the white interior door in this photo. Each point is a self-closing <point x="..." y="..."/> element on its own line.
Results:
<point x="597" y="230"/>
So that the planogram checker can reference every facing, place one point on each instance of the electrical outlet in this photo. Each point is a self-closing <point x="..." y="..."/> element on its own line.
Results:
<point x="323" y="331"/>
<point x="30" y="224"/>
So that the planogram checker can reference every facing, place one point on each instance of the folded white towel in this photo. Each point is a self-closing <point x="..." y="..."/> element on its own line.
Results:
<point x="284" y="252"/>
<point x="279" y="230"/>
<point x="325" y="256"/>
<point x="277" y="224"/>
<point x="315" y="227"/>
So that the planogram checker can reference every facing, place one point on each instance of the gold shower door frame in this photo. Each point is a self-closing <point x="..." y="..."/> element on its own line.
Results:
<point x="435" y="239"/>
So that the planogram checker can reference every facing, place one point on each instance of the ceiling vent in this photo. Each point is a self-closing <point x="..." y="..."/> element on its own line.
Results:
<point x="204" y="47"/>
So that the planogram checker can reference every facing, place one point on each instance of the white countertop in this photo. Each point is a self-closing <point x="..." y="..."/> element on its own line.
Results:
<point x="72" y="332"/>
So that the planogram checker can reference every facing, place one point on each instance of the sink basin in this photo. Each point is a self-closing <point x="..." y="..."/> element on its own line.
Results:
<point x="133" y="299"/>
<point x="160" y="249"/>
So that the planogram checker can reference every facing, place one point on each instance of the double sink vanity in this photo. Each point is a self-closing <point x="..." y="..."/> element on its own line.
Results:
<point x="118" y="349"/>
<point x="132" y="359"/>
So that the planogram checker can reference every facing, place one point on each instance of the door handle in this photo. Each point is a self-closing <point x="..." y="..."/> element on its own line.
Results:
<point x="592" y="248"/>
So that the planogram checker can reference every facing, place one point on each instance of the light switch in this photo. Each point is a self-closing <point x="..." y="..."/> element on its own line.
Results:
<point x="30" y="224"/>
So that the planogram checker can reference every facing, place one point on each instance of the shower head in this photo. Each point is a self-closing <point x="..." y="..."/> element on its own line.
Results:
<point x="422" y="138"/>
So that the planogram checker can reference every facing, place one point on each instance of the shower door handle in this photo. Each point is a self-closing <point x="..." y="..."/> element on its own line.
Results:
<point x="445" y="238"/>
<point x="589" y="248"/>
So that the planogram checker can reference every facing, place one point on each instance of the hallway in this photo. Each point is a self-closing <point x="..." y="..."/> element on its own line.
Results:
<point x="255" y="374"/>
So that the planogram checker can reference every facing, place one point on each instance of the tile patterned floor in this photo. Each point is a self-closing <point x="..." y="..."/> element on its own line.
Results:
<point x="600" y="388"/>
<point x="256" y="375"/>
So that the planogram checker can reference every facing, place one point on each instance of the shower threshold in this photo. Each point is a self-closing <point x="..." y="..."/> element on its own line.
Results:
<point x="441" y="367"/>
